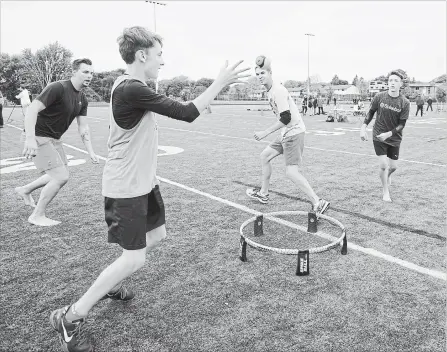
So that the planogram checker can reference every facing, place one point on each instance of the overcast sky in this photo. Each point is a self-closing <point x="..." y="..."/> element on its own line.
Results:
<point x="368" y="38"/>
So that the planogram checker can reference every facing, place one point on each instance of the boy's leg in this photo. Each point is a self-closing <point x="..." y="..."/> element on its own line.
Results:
<point x="25" y="191"/>
<point x="129" y="262"/>
<point x="50" y="158"/>
<point x="384" y="176"/>
<point x="293" y="155"/>
<point x="267" y="155"/>
<point x="381" y="150"/>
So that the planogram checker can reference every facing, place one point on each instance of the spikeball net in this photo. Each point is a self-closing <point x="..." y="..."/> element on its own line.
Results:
<point x="322" y="234"/>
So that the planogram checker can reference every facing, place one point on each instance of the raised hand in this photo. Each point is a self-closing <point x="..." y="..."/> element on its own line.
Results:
<point x="230" y="75"/>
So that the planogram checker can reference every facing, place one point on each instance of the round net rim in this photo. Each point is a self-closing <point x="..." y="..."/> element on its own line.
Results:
<point x="291" y="251"/>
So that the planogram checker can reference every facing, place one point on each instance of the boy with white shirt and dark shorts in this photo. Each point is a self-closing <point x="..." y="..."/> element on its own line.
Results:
<point x="290" y="142"/>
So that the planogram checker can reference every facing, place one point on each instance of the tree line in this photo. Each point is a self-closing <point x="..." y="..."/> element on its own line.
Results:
<point x="53" y="62"/>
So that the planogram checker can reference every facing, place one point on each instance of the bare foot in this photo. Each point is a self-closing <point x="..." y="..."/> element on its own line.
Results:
<point x="387" y="198"/>
<point x="42" y="221"/>
<point x="27" y="197"/>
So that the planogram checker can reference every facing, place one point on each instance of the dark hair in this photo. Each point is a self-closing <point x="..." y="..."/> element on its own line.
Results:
<point x="398" y="74"/>
<point x="77" y="63"/>
<point x="134" y="39"/>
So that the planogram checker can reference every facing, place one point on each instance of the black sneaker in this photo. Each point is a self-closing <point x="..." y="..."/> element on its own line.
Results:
<point x="71" y="335"/>
<point x="320" y="207"/>
<point x="255" y="193"/>
<point x="123" y="294"/>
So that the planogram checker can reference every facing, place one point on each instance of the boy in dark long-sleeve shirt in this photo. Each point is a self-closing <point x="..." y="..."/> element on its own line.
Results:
<point x="392" y="113"/>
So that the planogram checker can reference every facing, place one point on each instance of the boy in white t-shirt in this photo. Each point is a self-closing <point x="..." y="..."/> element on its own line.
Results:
<point x="290" y="142"/>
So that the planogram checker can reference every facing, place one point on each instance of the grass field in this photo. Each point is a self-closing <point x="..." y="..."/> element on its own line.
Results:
<point x="194" y="294"/>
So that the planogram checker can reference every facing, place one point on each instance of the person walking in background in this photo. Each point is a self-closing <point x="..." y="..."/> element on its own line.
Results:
<point x="429" y="102"/>
<point x="2" y="101"/>
<point x="420" y="105"/>
<point x="314" y="103"/>
<point x="335" y="101"/>
<point x="310" y="104"/>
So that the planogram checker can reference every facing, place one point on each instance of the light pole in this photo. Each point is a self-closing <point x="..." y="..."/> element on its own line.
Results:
<point x="155" y="30"/>
<point x="308" y="77"/>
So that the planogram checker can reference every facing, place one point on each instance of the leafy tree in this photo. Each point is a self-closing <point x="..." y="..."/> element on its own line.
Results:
<point x="355" y="81"/>
<point x="341" y="81"/>
<point x="292" y="84"/>
<point x="441" y="95"/>
<point x="335" y="80"/>
<point x="205" y="82"/>
<point x="10" y="68"/>
<point x="49" y="64"/>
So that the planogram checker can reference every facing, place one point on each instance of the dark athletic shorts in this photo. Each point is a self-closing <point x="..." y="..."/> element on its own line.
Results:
<point x="129" y="219"/>
<point x="386" y="149"/>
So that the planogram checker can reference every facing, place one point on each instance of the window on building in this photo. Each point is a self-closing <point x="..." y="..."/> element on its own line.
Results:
<point x="428" y="90"/>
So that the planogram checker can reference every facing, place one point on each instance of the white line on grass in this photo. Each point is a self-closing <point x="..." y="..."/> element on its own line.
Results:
<point x="314" y="148"/>
<point x="434" y="273"/>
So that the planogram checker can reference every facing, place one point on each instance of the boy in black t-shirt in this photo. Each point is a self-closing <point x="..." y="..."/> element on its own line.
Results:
<point x="48" y="117"/>
<point x="392" y="113"/>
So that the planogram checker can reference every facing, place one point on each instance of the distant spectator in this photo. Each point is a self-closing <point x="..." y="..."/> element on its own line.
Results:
<point x="429" y="102"/>
<point x="320" y="105"/>
<point x="2" y="101"/>
<point x="314" y="103"/>
<point x="335" y="101"/>
<point x="420" y="105"/>
<point x="304" y="105"/>
<point x="309" y="104"/>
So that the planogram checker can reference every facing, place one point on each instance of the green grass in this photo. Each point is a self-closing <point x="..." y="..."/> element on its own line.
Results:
<point x="194" y="294"/>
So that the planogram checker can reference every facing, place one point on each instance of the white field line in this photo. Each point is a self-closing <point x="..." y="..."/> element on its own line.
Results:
<point x="430" y="272"/>
<point x="313" y="148"/>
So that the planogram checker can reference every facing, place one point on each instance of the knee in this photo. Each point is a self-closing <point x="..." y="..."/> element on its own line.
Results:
<point x="135" y="259"/>
<point x="393" y="168"/>
<point x="291" y="170"/>
<point x="383" y="166"/>
<point x="264" y="158"/>
<point x="62" y="178"/>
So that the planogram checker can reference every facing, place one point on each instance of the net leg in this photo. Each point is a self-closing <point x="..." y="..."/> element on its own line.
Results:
<point x="312" y="222"/>
<point x="344" y="247"/>
<point x="258" y="229"/>
<point x="302" y="268"/>
<point x="243" y="249"/>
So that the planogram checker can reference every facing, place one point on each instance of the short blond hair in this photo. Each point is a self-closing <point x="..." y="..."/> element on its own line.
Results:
<point x="134" y="39"/>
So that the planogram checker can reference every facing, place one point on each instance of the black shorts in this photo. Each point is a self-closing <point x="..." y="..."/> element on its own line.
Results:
<point x="129" y="219"/>
<point x="386" y="149"/>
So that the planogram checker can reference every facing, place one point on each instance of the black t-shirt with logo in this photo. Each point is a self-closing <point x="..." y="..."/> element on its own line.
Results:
<point x="62" y="104"/>
<point x="390" y="112"/>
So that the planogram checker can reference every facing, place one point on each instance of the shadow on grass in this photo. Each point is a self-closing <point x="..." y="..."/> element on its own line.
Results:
<point x="361" y="216"/>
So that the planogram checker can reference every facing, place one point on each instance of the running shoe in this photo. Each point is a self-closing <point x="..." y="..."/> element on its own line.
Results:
<point x="71" y="335"/>
<point x="255" y="193"/>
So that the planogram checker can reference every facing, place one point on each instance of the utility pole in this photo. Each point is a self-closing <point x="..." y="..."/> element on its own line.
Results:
<point x="155" y="29"/>
<point x="308" y="76"/>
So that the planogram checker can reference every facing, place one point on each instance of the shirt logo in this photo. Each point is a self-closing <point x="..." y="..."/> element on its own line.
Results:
<point x="386" y="106"/>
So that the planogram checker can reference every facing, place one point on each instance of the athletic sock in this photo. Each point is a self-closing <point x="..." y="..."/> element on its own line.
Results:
<point x="72" y="316"/>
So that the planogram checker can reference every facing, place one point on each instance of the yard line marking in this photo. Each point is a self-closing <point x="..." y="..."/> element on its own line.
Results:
<point x="267" y="142"/>
<point x="314" y="148"/>
<point x="371" y="251"/>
